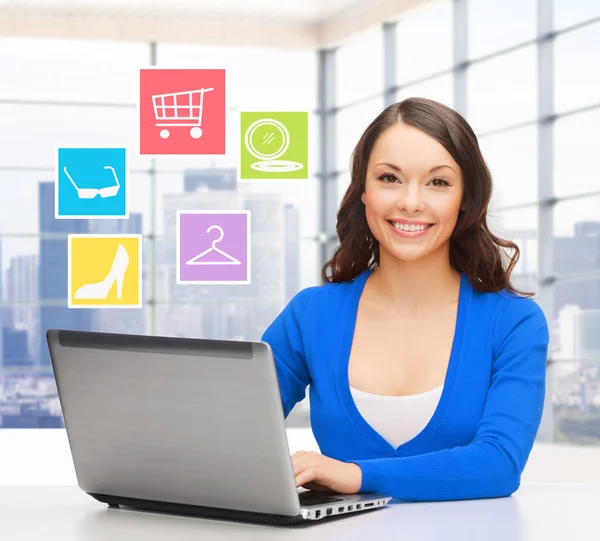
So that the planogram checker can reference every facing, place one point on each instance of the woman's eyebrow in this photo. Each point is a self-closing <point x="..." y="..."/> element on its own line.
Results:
<point x="431" y="170"/>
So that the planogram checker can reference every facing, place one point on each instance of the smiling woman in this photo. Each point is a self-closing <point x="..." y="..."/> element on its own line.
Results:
<point x="418" y="173"/>
<point x="426" y="367"/>
<point x="424" y="194"/>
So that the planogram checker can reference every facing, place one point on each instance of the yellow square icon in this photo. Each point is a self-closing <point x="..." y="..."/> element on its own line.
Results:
<point x="105" y="271"/>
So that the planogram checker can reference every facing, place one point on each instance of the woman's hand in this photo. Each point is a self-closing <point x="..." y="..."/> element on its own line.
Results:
<point x="317" y="472"/>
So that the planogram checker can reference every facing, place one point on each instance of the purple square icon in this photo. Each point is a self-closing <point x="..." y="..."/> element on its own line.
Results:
<point x="213" y="247"/>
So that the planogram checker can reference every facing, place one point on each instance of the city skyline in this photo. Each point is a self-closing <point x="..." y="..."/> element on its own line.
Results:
<point x="226" y="312"/>
<point x="223" y="312"/>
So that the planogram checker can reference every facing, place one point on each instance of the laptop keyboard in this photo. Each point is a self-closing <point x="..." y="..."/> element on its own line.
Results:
<point x="314" y="498"/>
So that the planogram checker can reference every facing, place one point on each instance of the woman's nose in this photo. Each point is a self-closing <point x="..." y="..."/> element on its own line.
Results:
<point x="411" y="200"/>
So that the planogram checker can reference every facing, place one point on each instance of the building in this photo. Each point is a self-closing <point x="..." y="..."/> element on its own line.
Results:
<point x="2" y="310"/>
<point x="224" y="311"/>
<point x="292" y="251"/>
<point x="576" y="254"/>
<point x="578" y="381"/>
<point x="225" y="179"/>
<point x="53" y="273"/>
<point x="21" y="290"/>
<point x="579" y="336"/>
<point x="16" y="351"/>
<point x="213" y="179"/>
<point x="121" y="320"/>
<point x="195" y="310"/>
<point x="117" y="226"/>
<point x="267" y="212"/>
<point x="579" y="253"/>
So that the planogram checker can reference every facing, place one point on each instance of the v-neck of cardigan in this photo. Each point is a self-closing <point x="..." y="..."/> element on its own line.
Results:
<point x="464" y="296"/>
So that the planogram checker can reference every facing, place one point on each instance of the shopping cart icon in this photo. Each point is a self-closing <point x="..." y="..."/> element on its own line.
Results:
<point x="180" y="109"/>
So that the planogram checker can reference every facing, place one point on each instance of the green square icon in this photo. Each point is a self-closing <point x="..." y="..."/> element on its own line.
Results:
<point x="273" y="145"/>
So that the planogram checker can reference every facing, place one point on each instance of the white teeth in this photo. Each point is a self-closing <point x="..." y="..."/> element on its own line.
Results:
<point x="406" y="227"/>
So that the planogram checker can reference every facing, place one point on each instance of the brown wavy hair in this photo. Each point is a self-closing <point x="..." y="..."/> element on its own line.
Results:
<point x="486" y="259"/>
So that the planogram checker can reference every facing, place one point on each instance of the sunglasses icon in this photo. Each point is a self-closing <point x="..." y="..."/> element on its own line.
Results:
<point x="90" y="193"/>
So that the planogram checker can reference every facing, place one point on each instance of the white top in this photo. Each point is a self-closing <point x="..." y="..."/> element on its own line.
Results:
<point x="397" y="418"/>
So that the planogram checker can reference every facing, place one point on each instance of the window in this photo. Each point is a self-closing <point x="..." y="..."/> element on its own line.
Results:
<point x="176" y="190"/>
<point x="34" y="299"/>
<point x="351" y="123"/>
<point x="438" y="89"/>
<point x="577" y="236"/>
<point x="30" y="197"/>
<point x="512" y="159"/>
<point x="359" y="68"/>
<point x="255" y="76"/>
<point x="502" y="91"/>
<point x="576" y="381"/>
<point x="570" y="12"/>
<point x="280" y="268"/>
<point x="30" y="134"/>
<point x="33" y="244"/>
<point x="424" y="42"/>
<point x="343" y="183"/>
<point x="576" y="146"/>
<point x="577" y="71"/>
<point x="520" y="227"/>
<point x="71" y="70"/>
<point x="489" y="20"/>
<point x="229" y="160"/>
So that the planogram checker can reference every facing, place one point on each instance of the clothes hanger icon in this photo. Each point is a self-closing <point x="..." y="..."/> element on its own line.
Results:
<point x="195" y="259"/>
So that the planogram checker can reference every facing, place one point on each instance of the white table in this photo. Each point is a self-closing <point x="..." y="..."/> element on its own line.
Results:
<point x="536" y="512"/>
<point x="22" y="461"/>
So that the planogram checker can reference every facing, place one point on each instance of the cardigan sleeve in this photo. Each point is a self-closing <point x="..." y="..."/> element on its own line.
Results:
<point x="287" y="342"/>
<point x="491" y="465"/>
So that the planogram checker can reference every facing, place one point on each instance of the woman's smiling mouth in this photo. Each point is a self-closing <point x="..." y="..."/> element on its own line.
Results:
<point x="409" y="229"/>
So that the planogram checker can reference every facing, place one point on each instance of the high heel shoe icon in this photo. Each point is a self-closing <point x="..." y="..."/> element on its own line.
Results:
<point x="100" y="290"/>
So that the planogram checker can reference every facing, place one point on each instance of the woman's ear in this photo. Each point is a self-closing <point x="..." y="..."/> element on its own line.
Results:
<point x="362" y="197"/>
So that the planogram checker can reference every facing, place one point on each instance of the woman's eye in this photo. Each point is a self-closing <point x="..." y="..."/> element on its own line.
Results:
<point x="389" y="178"/>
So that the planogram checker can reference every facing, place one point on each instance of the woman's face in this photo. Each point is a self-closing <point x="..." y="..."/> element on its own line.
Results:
<point x="413" y="192"/>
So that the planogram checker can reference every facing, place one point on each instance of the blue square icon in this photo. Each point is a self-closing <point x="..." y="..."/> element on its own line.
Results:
<point x="91" y="183"/>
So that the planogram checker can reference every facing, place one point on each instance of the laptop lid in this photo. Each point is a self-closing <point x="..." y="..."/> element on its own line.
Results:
<point x="190" y="421"/>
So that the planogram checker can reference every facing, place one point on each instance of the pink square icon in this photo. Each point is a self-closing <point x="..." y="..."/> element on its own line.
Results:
<point x="182" y="112"/>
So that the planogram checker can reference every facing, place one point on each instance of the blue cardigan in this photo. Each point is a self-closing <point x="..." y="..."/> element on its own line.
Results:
<point x="478" y="441"/>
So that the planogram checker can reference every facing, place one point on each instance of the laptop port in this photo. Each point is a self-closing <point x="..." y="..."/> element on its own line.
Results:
<point x="318" y="513"/>
<point x="358" y="506"/>
<point x="370" y="504"/>
<point x="350" y="507"/>
<point x="330" y="510"/>
<point x="340" y="509"/>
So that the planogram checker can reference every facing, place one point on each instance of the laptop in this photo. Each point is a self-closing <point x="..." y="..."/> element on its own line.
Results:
<point x="184" y="425"/>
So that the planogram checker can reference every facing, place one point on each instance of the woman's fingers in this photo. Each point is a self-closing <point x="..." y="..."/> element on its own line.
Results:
<point x="303" y="472"/>
<point x="299" y="461"/>
<point x="304" y="477"/>
<point x="306" y="467"/>
<point x="299" y="468"/>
